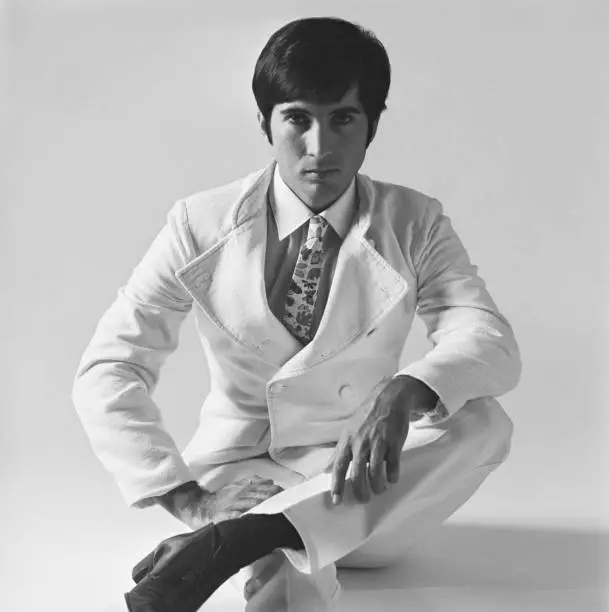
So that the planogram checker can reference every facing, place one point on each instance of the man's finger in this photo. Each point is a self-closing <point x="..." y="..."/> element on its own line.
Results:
<point x="266" y="487"/>
<point x="376" y="470"/>
<point x="339" y="473"/>
<point x="393" y="464"/>
<point x="255" y="479"/>
<point x="330" y="466"/>
<point x="359" y="473"/>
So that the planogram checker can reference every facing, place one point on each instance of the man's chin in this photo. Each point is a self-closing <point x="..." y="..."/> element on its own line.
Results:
<point x="319" y="197"/>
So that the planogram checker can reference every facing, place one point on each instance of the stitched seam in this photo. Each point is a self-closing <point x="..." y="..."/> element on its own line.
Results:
<point x="230" y="333"/>
<point x="185" y="220"/>
<point x="356" y="335"/>
<point x="351" y="339"/>
<point x="244" y="197"/>
<point x="432" y="229"/>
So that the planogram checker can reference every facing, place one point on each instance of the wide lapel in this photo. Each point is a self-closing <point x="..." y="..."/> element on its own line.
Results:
<point x="363" y="290"/>
<point x="227" y="280"/>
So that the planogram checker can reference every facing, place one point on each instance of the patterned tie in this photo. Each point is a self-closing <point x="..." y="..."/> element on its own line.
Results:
<point x="302" y="292"/>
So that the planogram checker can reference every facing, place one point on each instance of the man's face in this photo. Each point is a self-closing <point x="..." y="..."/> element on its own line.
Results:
<point x="319" y="147"/>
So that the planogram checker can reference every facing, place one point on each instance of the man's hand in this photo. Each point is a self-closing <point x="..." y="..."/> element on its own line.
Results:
<point x="197" y="507"/>
<point x="375" y="446"/>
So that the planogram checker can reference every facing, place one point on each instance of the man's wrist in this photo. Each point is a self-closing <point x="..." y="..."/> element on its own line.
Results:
<point x="416" y="395"/>
<point x="182" y="496"/>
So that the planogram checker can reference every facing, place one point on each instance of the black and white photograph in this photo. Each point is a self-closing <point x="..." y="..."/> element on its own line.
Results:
<point x="305" y="305"/>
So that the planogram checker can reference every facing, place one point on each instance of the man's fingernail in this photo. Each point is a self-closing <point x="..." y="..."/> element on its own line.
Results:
<point x="336" y="499"/>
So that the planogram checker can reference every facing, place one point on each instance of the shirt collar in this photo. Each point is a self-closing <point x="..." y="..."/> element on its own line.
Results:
<point x="291" y="212"/>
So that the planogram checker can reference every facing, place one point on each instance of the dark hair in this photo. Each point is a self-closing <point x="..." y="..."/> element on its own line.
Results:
<point x="319" y="59"/>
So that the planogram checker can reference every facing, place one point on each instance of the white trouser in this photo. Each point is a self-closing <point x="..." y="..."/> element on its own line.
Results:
<point x="442" y="466"/>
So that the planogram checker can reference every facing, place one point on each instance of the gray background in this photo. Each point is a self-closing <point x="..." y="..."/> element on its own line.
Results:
<point x="112" y="110"/>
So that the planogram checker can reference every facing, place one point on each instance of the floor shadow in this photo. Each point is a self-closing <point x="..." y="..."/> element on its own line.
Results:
<point x="491" y="556"/>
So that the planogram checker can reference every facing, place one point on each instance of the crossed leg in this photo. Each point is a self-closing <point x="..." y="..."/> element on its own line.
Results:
<point x="442" y="465"/>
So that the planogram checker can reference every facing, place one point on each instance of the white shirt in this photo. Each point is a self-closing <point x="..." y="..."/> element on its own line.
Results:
<point x="291" y="212"/>
<point x="286" y="231"/>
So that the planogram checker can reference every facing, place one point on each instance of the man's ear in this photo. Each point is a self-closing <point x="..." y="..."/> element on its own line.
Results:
<point x="261" y="122"/>
<point x="263" y="127"/>
<point x="375" y="126"/>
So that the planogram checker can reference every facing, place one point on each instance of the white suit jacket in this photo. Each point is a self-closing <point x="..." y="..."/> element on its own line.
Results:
<point x="267" y="393"/>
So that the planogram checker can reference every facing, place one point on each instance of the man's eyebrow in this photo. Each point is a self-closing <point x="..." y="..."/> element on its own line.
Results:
<point x="302" y="109"/>
<point x="348" y="109"/>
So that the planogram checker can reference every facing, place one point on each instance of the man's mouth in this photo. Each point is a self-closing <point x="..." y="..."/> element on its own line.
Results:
<point x="321" y="172"/>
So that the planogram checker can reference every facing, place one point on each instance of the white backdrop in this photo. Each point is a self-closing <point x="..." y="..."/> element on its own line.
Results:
<point x="113" y="110"/>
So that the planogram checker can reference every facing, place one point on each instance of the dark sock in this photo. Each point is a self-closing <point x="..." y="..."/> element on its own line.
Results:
<point x="185" y="570"/>
<point x="262" y="531"/>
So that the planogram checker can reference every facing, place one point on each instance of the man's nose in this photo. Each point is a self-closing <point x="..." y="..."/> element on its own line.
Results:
<point x="319" y="141"/>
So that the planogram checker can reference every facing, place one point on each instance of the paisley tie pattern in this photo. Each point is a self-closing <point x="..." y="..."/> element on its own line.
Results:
<point x="303" y="289"/>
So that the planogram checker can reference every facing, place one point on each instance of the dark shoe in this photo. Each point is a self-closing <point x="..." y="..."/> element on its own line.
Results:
<point x="180" y="574"/>
<point x="183" y="571"/>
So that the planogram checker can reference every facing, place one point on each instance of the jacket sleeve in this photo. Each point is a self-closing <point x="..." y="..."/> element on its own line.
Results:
<point x="119" y="370"/>
<point x="474" y="352"/>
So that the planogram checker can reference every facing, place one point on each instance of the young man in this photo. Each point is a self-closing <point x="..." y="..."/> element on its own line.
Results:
<point x="313" y="449"/>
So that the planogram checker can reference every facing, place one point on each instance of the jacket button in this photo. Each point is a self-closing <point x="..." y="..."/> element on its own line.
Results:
<point x="346" y="392"/>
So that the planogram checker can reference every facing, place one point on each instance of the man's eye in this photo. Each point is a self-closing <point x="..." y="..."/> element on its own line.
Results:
<point x="343" y="119"/>
<point x="297" y="119"/>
